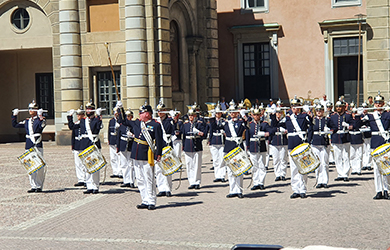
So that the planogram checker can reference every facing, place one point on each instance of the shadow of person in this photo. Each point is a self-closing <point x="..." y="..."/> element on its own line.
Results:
<point x="261" y="193"/>
<point x="180" y="204"/>
<point x="53" y="191"/>
<point x="326" y="194"/>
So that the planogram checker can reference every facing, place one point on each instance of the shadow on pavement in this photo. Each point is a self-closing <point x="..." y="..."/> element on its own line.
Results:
<point x="53" y="191"/>
<point x="189" y="194"/>
<point x="361" y="178"/>
<point x="259" y="194"/>
<point x="326" y="194"/>
<point x="180" y="204"/>
<point x="343" y="184"/>
<point x="111" y="183"/>
<point x="281" y="184"/>
<point x="216" y="186"/>
<point x="118" y="191"/>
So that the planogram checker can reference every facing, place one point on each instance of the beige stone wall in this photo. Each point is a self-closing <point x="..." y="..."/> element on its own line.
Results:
<point x="103" y="15"/>
<point x="17" y="70"/>
<point x="378" y="48"/>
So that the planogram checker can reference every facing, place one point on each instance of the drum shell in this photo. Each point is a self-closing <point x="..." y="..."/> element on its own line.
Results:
<point x="169" y="162"/>
<point x="305" y="160"/>
<point x="92" y="159"/>
<point x="381" y="156"/>
<point x="31" y="160"/>
<point x="238" y="161"/>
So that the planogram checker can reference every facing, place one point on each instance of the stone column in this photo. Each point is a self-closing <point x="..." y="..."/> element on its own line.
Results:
<point x="164" y="55"/>
<point x="70" y="61"/>
<point x="136" y="54"/>
<point x="193" y="48"/>
<point x="212" y="52"/>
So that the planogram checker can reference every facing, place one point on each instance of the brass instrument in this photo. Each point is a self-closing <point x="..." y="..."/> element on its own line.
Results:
<point x="210" y="107"/>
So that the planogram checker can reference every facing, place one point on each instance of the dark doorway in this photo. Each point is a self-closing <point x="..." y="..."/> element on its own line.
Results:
<point x="45" y="93"/>
<point x="347" y="78"/>
<point x="256" y="69"/>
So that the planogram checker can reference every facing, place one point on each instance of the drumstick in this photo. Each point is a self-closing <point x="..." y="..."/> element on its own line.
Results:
<point x="112" y="71"/>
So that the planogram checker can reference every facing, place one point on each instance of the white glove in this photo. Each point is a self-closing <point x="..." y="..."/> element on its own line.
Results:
<point x="213" y="114"/>
<point x="326" y="129"/>
<point x="242" y="113"/>
<point x="40" y="112"/>
<point x="99" y="111"/>
<point x="117" y="125"/>
<point x="283" y="130"/>
<point x="306" y="108"/>
<point x="360" y="111"/>
<point x="119" y="104"/>
<point x="15" y="112"/>
<point x="344" y="124"/>
<point x="172" y="113"/>
<point x="272" y="110"/>
<point x="260" y="133"/>
<point x="196" y="131"/>
<point x="130" y="135"/>
<point x="71" y="112"/>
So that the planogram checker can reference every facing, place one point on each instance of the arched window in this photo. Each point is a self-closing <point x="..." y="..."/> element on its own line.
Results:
<point x="175" y="57"/>
<point x="20" y="18"/>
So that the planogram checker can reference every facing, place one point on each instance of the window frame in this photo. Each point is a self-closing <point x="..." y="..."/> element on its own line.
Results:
<point x="245" y="9"/>
<point x="14" y="28"/>
<point x="111" y="88"/>
<point x="336" y="4"/>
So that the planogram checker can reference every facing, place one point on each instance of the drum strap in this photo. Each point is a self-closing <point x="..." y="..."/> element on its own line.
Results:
<point x="296" y="126"/>
<point x="89" y="132"/>
<point x="31" y="134"/>
<point x="380" y="126"/>
<point x="165" y="136"/>
<point x="233" y="133"/>
<point x="147" y="136"/>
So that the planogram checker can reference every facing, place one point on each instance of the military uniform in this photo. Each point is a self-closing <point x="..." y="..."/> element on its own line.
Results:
<point x="234" y="129"/>
<point x="298" y="126"/>
<point x="89" y="128"/>
<point x="278" y="149"/>
<point x="257" y="149"/>
<point x="216" y="142"/>
<point x="124" y="142"/>
<point x="177" y="140"/>
<point x="113" y="126"/>
<point x="193" y="149"/>
<point x="356" y="150"/>
<point x="34" y="127"/>
<point x="143" y="163"/>
<point x="319" y="145"/>
<point x="164" y="183"/>
<point x="338" y="123"/>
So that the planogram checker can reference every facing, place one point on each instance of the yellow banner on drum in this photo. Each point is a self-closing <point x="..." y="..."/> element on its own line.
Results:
<point x="381" y="156"/>
<point x="92" y="159"/>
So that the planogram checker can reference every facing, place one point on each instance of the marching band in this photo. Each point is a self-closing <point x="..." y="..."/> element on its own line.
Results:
<point x="239" y="137"/>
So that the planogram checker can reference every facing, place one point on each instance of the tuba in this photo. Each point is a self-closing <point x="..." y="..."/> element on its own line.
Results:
<point x="210" y="106"/>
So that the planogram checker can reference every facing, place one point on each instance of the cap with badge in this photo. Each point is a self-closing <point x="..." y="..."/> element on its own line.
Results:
<point x="329" y="105"/>
<point x="319" y="107"/>
<point x="161" y="106"/>
<point x="379" y="98"/>
<point x="340" y="103"/>
<point x="90" y="105"/>
<point x="256" y="110"/>
<point x="295" y="101"/>
<point x="218" y="108"/>
<point x="80" y="111"/>
<point x="232" y="107"/>
<point x="129" y="112"/>
<point x="145" y="108"/>
<point x="33" y="105"/>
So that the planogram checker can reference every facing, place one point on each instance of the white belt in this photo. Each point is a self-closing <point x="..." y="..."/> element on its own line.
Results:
<point x="296" y="133"/>
<point x="342" y="131"/>
<point x="217" y="134"/>
<point x="257" y="139"/>
<point x="113" y="133"/>
<point x="378" y="133"/>
<point x="86" y="136"/>
<point x="124" y="138"/>
<point x="33" y="135"/>
<point x="355" y="132"/>
<point x="190" y="137"/>
<point x="78" y="138"/>
<point x="279" y="133"/>
<point x="321" y="133"/>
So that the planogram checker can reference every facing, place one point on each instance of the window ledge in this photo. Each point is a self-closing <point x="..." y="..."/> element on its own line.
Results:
<point x="255" y="10"/>
<point x="346" y="4"/>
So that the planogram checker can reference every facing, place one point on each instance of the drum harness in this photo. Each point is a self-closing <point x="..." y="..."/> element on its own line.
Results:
<point x="379" y="124"/>
<point x="299" y="132"/>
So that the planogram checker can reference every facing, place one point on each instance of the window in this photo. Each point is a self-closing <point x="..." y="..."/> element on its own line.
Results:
<point x="257" y="70"/>
<point x="45" y="93"/>
<point x="346" y="3"/>
<point x="346" y="46"/>
<point x="255" y="5"/>
<point x="103" y="15"/>
<point x="106" y="90"/>
<point x="20" y="18"/>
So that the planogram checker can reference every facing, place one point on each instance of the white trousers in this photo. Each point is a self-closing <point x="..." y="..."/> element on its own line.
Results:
<point x="146" y="182"/>
<point x="381" y="181"/>
<point x="38" y="177"/>
<point x="322" y="172"/>
<point x="164" y="183"/>
<point x="258" y="170"/>
<point x="127" y="167"/>
<point x="194" y="167"/>
<point x="217" y="155"/>
<point x="356" y="156"/>
<point x="367" y="159"/>
<point x="235" y="183"/>
<point x="114" y="159"/>
<point x="298" y="181"/>
<point x="279" y="159"/>
<point x="331" y="153"/>
<point x="177" y="147"/>
<point x="81" y="172"/>
<point x="341" y="157"/>
<point x="267" y="154"/>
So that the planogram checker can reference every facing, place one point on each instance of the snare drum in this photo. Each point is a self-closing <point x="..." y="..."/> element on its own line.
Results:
<point x="169" y="162"/>
<point x="305" y="160"/>
<point x="238" y="161"/>
<point x="381" y="157"/>
<point x="32" y="160"/>
<point x="92" y="159"/>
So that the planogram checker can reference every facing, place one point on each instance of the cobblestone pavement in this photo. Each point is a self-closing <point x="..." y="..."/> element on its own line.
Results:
<point x="62" y="217"/>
